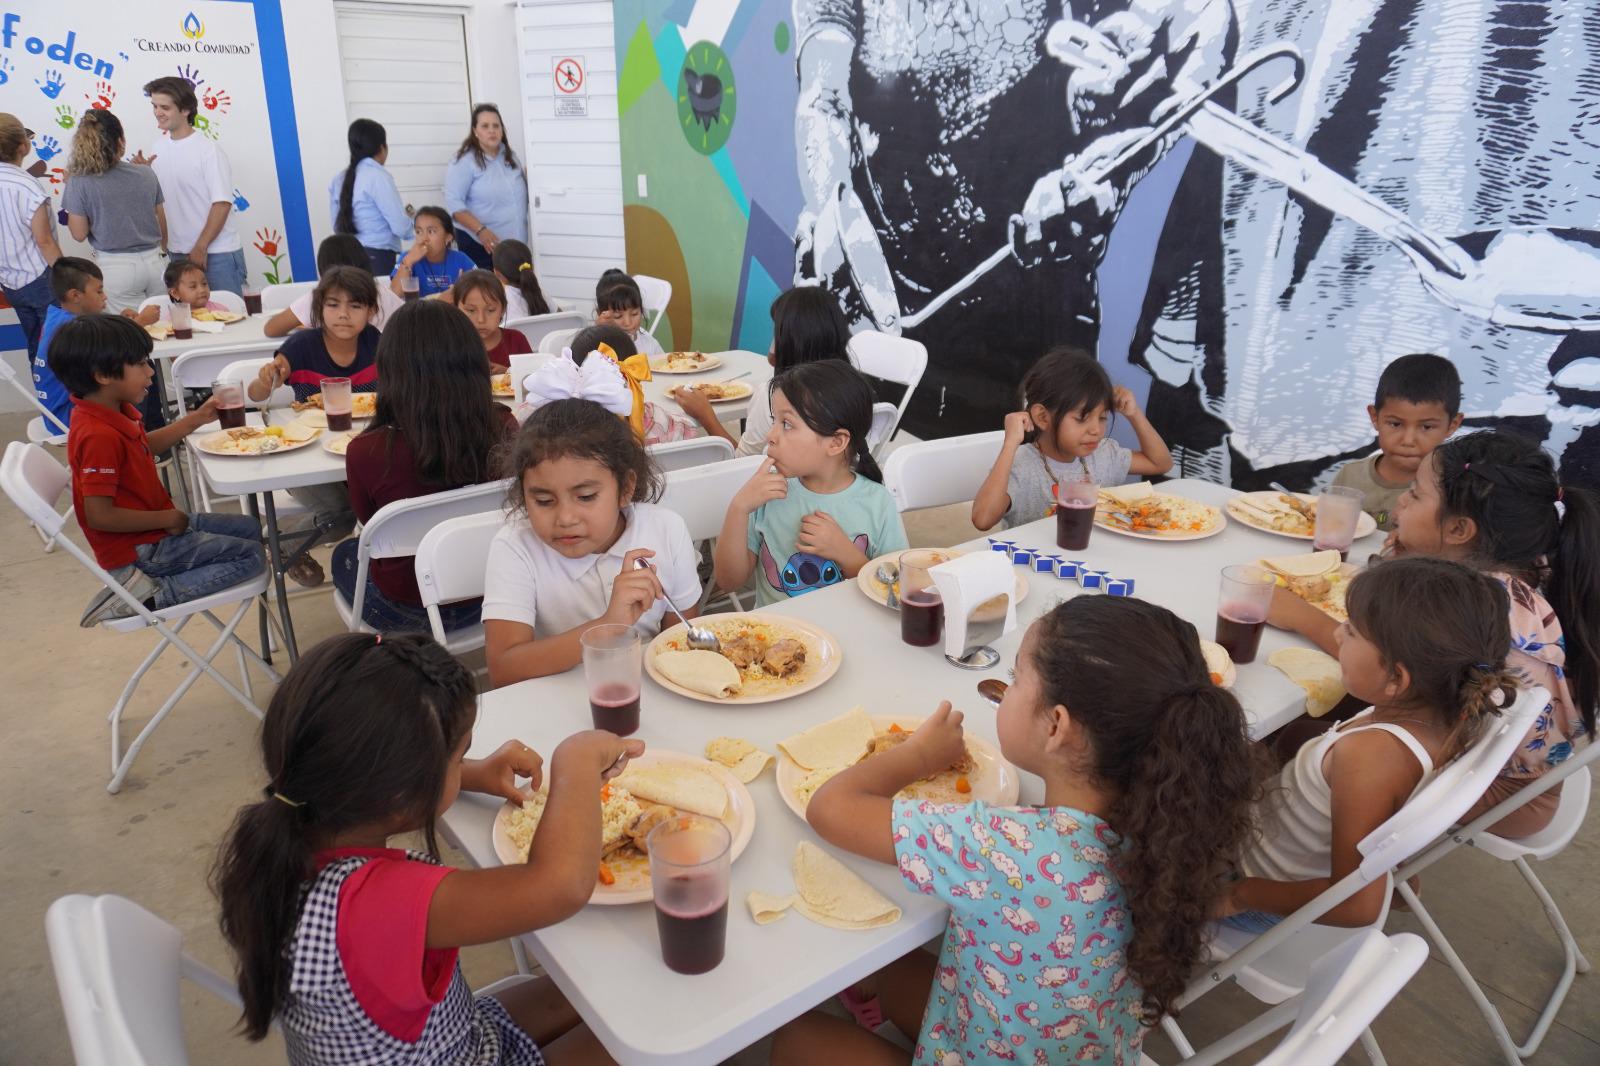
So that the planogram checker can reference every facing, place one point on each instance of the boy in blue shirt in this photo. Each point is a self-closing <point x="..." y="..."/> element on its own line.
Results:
<point x="431" y="260"/>
<point x="79" y="289"/>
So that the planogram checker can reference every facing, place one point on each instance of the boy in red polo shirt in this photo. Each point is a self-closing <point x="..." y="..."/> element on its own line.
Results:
<point x="160" y="554"/>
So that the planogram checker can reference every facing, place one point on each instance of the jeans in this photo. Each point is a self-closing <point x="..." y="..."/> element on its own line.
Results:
<point x="382" y="260"/>
<point x="31" y="302"/>
<point x="132" y="277"/>
<point x="225" y="271"/>
<point x="1257" y="922"/>
<point x="217" y="552"/>
<point x="472" y="249"/>
<point x="386" y="615"/>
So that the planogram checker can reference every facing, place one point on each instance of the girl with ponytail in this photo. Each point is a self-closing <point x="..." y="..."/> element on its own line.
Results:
<point x="513" y="263"/>
<point x="1493" y="501"/>
<point x="352" y="945"/>
<point x="1426" y="647"/>
<point x="1148" y="783"/>
<point x="364" y="200"/>
<point x="817" y="510"/>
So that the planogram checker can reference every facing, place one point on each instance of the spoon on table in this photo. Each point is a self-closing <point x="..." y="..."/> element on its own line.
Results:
<point x="700" y="638"/>
<point x="993" y="690"/>
<point x="889" y="574"/>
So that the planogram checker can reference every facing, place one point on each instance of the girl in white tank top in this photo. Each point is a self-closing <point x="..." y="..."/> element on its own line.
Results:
<point x="1425" y="645"/>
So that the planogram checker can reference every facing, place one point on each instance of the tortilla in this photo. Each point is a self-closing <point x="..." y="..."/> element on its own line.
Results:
<point x="742" y="758"/>
<point x="296" y="432"/>
<point x="1139" y="490"/>
<point x="830" y="894"/>
<point x="700" y="671"/>
<point x="837" y="743"/>
<point x="676" y="785"/>
<point x="1218" y="663"/>
<point x="1307" y="564"/>
<point x="1314" y="671"/>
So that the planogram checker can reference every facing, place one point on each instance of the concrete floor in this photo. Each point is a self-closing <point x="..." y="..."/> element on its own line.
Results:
<point x="60" y="832"/>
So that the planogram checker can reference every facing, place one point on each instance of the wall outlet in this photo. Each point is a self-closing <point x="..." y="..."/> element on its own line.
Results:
<point x="644" y="187"/>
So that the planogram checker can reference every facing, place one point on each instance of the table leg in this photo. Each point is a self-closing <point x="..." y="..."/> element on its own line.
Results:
<point x="254" y="511"/>
<point x="275" y="551"/>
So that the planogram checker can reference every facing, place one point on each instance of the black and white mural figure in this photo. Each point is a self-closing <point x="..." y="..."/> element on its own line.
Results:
<point x="1359" y="179"/>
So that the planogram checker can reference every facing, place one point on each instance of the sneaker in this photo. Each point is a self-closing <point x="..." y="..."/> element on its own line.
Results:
<point x="306" y="572"/>
<point x="107" y="605"/>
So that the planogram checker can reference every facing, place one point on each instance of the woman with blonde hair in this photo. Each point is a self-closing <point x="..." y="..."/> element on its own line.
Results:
<point x="116" y="207"/>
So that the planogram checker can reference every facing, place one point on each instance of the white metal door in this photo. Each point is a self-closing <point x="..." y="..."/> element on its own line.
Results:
<point x="574" y="162"/>
<point x="405" y="66"/>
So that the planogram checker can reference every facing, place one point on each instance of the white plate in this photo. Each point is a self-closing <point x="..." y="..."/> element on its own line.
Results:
<point x="1365" y="525"/>
<point x="208" y="444"/>
<point x="823" y="654"/>
<point x="337" y="443"/>
<point x="633" y="884"/>
<point x="742" y="391"/>
<point x="658" y="365"/>
<point x="993" y="780"/>
<point x="875" y="590"/>
<point x="1218" y="523"/>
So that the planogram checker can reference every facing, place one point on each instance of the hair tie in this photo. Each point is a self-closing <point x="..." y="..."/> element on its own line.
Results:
<point x="1561" y="510"/>
<point x="375" y="643"/>
<point x="524" y="266"/>
<point x="272" y="793"/>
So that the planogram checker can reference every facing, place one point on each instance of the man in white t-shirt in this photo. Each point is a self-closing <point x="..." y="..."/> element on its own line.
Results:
<point x="197" y="186"/>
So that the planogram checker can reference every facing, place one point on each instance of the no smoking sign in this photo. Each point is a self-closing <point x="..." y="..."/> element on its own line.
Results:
<point x="571" y="85"/>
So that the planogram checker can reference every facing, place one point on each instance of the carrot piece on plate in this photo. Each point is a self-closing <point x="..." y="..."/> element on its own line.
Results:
<point x="963" y="786"/>
<point x="606" y="876"/>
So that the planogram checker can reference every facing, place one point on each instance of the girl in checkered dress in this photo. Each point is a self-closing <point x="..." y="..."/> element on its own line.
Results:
<point x="350" y="945"/>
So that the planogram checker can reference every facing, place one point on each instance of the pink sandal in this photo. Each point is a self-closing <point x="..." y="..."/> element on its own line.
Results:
<point x="863" y="1008"/>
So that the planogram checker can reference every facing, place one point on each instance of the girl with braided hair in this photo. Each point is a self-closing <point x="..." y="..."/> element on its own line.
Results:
<point x="1493" y="500"/>
<point x="350" y="944"/>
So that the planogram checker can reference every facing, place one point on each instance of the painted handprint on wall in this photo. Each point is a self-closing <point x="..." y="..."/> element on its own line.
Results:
<point x="47" y="148"/>
<point x="239" y="202"/>
<point x="268" y="243"/>
<point x="65" y="117"/>
<point x="191" y="75"/>
<point x="103" y="96"/>
<point x="51" y="85"/>
<point x="5" y="70"/>
<point x="217" y="100"/>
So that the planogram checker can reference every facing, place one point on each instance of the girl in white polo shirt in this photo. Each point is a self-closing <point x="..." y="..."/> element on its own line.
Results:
<point x="565" y="561"/>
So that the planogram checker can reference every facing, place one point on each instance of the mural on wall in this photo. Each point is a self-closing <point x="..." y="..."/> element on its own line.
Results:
<point x="55" y="65"/>
<point x="1245" y="208"/>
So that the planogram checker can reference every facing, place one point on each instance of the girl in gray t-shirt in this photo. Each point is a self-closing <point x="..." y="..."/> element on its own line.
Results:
<point x="1061" y="435"/>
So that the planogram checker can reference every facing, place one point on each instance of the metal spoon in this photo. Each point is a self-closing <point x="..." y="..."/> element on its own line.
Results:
<point x="700" y="638"/>
<point x="889" y="574"/>
<point x="993" y="690"/>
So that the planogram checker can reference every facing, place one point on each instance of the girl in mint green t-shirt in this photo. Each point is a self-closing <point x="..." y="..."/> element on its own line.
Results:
<point x="817" y="511"/>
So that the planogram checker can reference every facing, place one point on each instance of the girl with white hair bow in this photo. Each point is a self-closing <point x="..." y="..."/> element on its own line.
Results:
<point x="611" y="381"/>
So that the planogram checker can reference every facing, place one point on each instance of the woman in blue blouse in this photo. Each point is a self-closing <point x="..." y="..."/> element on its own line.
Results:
<point x="486" y="189"/>
<point x="363" y="199"/>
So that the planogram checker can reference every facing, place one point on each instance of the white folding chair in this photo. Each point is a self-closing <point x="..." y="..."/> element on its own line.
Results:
<point x="34" y="481"/>
<point x="1576" y="785"/>
<point x="885" y="417"/>
<point x="555" y="340"/>
<point x="47" y="428"/>
<point x="537" y="327"/>
<point x="277" y="297"/>
<point x="397" y="530"/>
<point x="450" y="568"/>
<point x="656" y="294"/>
<point x="1348" y="988"/>
<point x="933" y="473"/>
<point x="700" y="495"/>
<point x="1276" y="965"/>
<point x="696" y="451"/>
<point x="895" y="359"/>
<point x="119" y="971"/>
<point x="521" y="367"/>
<point x="231" y="300"/>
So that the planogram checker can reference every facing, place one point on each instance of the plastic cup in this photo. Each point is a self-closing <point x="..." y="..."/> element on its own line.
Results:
<point x="336" y="403"/>
<point x="252" y="300"/>
<point x="689" y="859"/>
<point x="230" y="403"/>
<point x="1338" y="511"/>
<point x="410" y="287"/>
<point x="182" y="321"/>
<point x="1242" y="605"/>
<point x="921" y="606"/>
<point x="1075" y="502"/>
<point x="612" y="660"/>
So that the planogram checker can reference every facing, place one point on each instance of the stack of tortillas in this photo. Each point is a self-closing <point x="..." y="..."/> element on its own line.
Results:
<point x="1304" y="564"/>
<point x="828" y="892"/>
<point x="835" y="744"/>
<point x="705" y="672"/>
<point x="678" y="785"/>
<point x="1126" y="494"/>
<point x="743" y="759"/>
<point x="1316" y="672"/>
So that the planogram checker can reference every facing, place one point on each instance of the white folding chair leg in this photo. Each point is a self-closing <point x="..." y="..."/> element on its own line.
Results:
<point x="1369" y="1044"/>
<point x="1169" y="1025"/>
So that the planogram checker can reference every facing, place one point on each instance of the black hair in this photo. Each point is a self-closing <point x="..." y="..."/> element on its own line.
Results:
<point x="471" y="143"/>
<point x="1531" y="526"/>
<point x="182" y="92"/>
<point x="439" y="215"/>
<point x="831" y="396"/>
<point x="366" y="139"/>
<point x="341" y="249"/>
<point x="359" y="734"/>
<point x="1065" y="381"/>
<point x="72" y="272"/>
<point x="478" y="280"/>
<point x="513" y="261"/>
<point x="585" y="430"/>
<point x="176" y="269"/>
<point x="436" y="394"/>
<point x="590" y="338"/>
<point x="1420" y="378"/>
<point x="807" y="326"/>
<point x="355" y="283"/>
<point x="96" y="344"/>
<point x="1173" y="750"/>
<point x="617" y="291"/>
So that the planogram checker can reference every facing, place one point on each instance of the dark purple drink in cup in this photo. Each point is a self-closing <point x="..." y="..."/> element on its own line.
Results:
<point x="1074" y="523"/>
<point x="692" y="940"/>
<point x="922" y="618"/>
<point x="615" y="708"/>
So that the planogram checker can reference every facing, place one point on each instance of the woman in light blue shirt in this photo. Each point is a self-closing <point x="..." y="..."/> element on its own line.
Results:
<point x="486" y="189"/>
<point x="363" y="199"/>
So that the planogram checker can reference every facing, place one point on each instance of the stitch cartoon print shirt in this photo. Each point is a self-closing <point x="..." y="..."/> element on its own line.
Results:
<point x="1033" y="969"/>
<point x="864" y="510"/>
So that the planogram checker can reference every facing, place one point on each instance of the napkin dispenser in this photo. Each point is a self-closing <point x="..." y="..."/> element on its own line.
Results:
<point x="966" y="583"/>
